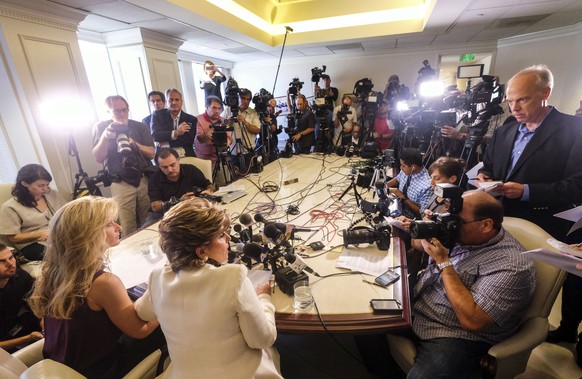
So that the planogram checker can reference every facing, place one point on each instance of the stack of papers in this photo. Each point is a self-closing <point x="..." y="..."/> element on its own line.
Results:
<point x="566" y="259"/>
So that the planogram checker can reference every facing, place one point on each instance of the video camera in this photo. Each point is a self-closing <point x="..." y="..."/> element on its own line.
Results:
<point x="231" y="94"/>
<point x="219" y="136"/>
<point x="261" y="101"/>
<point x="316" y="73"/>
<point x="365" y="234"/>
<point x="343" y="113"/>
<point x="443" y="226"/>
<point x="295" y="86"/>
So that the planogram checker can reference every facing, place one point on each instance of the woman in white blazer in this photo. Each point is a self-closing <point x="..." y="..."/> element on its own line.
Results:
<point x="216" y="324"/>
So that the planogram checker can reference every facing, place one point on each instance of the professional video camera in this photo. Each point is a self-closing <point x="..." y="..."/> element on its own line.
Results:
<point x="231" y="96"/>
<point x="343" y="113"/>
<point x="261" y="101"/>
<point x="369" y="99"/>
<point x="365" y="234"/>
<point x="121" y="138"/>
<point x="443" y="226"/>
<point x="363" y="87"/>
<point x="219" y="137"/>
<point x="295" y="86"/>
<point x="316" y="73"/>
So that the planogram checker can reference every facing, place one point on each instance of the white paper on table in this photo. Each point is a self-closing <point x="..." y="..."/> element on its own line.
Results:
<point x="561" y="260"/>
<point x="368" y="260"/>
<point x="472" y="173"/>
<point x="131" y="268"/>
<point x="259" y="276"/>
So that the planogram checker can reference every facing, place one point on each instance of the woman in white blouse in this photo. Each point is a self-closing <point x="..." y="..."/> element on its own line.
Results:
<point x="216" y="324"/>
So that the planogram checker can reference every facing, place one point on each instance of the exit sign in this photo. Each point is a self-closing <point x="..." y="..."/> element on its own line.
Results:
<point x="467" y="57"/>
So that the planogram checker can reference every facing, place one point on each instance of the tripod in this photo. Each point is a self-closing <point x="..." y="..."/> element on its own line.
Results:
<point x="352" y="185"/>
<point x="81" y="176"/>
<point x="241" y="143"/>
<point x="223" y="164"/>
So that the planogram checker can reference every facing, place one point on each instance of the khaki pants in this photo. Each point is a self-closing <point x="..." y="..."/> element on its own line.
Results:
<point x="133" y="203"/>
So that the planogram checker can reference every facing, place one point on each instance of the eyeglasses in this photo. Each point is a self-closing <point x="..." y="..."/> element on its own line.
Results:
<point x="120" y="111"/>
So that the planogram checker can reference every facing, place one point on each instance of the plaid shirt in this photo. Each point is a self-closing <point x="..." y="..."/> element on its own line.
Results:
<point x="498" y="276"/>
<point x="419" y="190"/>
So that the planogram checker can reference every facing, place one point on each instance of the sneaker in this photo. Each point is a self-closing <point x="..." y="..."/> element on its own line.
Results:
<point x="563" y="335"/>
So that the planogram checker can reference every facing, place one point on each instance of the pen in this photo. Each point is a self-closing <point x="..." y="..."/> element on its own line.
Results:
<point x="374" y="283"/>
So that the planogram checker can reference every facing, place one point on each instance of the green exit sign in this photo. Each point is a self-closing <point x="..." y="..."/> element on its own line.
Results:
<point x="467" y="57"/>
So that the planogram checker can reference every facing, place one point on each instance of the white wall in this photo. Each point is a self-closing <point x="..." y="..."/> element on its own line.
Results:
<point x="560" y="49"/>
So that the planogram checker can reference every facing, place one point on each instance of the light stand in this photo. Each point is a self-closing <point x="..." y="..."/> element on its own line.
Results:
<point x="81" y="175"/>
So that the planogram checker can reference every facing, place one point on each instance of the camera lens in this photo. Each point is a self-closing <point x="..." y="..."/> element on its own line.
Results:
<point x="355" y="237"/>
<point x="425" y="229"/>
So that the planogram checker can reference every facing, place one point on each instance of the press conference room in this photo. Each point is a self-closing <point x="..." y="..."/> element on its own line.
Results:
<point x="319" y="216"/>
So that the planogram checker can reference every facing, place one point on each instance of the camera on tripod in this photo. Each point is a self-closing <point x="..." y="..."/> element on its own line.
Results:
<point x="317" y="72"/>
<point x="295" y="86"/>
<point x="343" y="113"/>
<point x="219" y="136"/>
<point x="443" y="226"/>
<point x="261" y="101"/>
<point x="231" y="94"/>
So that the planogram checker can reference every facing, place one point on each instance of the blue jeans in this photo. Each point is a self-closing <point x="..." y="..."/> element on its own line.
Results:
<point x="453" y="358"/>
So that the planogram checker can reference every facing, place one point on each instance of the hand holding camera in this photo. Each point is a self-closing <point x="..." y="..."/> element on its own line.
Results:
<point x="183" y="128"/>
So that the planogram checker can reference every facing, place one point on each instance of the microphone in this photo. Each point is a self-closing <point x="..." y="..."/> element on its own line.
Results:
<point x="254" y="251"/>
<point x="278" y="237"/>
<point x="259" y="218"/>
<point x="247" y="220"/>
<point x="243" y="233"/>
<point x="298" y="265"/>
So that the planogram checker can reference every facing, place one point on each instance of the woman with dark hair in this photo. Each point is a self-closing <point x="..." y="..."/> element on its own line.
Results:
<point x="24" y="219"/>
<point x="216" y="324"/>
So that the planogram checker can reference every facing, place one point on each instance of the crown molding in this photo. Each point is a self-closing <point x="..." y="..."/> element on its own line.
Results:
<point x="145" y="37"/>
<point x="42" y="13"/>
<point x="541" y="36"/>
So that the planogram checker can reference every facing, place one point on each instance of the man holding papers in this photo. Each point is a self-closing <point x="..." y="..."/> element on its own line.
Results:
<point x="538" y="156"/>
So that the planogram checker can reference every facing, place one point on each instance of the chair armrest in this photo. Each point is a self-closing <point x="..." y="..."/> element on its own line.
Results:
<point x="512" y="354"/>
<point x="49" y="369"/>
<point x="30" y="354"/>
<point x="146" y="369"/>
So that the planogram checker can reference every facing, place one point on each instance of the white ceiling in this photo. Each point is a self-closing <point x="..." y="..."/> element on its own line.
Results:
<point x="453" y="22"/>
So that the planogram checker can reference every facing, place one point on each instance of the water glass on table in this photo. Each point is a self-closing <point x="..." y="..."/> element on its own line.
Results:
<point x="302" y="296"/>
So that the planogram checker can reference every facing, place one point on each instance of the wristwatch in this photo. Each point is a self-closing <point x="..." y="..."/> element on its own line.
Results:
<point x="443" y="265"/>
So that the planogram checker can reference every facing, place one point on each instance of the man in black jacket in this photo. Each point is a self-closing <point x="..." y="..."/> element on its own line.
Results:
<point x="172" y="127"/>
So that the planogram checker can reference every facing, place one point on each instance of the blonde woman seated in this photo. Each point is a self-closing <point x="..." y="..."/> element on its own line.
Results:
<point x="216" y="324"/>
<point x="86" y="310"/>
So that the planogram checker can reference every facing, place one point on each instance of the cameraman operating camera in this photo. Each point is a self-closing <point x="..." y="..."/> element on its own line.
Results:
<point x="250" y="126"/>
<point x="304" y="137"/>
<point x="344" y="116"/>
<point x="126" y="146"/>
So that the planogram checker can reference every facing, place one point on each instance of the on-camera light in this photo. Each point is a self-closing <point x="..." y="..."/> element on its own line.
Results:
<point x="402" y="106"/>
<point x="432" y="88"/>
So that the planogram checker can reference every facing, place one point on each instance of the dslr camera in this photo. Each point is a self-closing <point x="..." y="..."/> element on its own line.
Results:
<point x="343" y="113"/>
<point x="443" y="226"/>
<point x="317" y="72"/>
<point x="219" y="137"/>
<point x="122" y="139"/>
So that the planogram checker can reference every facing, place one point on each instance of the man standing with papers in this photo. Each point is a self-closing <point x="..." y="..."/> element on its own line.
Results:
<point x="538" y="156"/>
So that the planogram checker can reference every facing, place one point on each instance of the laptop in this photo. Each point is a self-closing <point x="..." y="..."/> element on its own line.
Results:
<point x="230" y="196"/>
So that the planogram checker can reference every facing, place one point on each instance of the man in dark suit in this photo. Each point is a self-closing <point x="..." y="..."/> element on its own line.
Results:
<point x="157" y="101"/>
<point x="171" y="127"/>
<point x="537" y="157"/>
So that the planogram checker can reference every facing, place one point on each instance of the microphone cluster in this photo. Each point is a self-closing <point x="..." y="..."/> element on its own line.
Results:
<point x="273" y="247"/>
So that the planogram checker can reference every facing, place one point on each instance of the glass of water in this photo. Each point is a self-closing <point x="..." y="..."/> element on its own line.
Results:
<point x="302" y="296"/>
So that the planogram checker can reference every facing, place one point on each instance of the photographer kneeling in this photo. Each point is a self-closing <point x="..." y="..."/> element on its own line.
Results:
<point x="174" y="182"/>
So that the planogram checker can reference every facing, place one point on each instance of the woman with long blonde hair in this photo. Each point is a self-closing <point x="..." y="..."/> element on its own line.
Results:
<point x="86" y="310"/>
